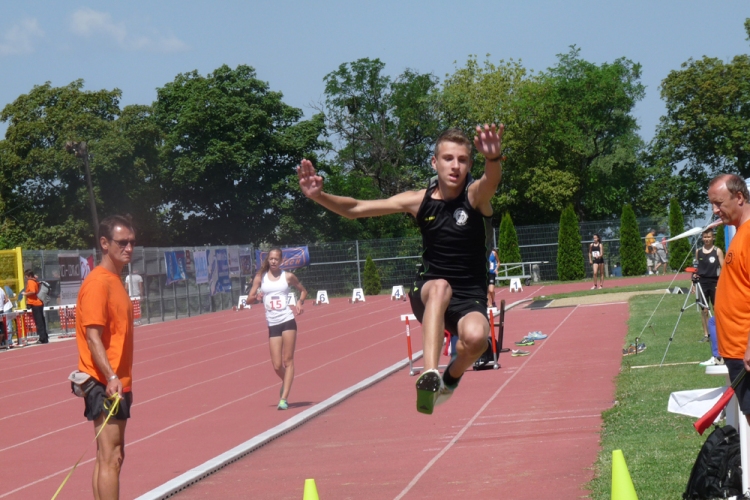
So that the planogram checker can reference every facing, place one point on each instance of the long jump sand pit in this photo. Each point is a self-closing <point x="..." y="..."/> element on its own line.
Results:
<point x="604" y="298"/>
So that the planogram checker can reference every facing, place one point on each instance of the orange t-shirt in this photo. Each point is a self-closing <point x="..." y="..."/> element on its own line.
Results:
<point x="103" y="301"/>
<point x="32" y="288"/>
<point x="732" y="306"/>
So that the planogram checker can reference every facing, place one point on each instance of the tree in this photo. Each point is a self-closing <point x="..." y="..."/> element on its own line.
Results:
<point x="229" y="142"/>
<point x="43" y="192"/>
<point x="679" y="250"/>
<point x="382" y="131"/>
<point x="371" y="282"/>
<point x="129" y="174"/>
<point x="570" y="264"/>
<point x="632" y="252"/>
<point x="507" y="244"/>
<point x="571" y="135"/>
<point x="704" y="132"/>
<point x="578" y="138"/>
<point x="476" y="94"/>
<point x="720" y="240"/>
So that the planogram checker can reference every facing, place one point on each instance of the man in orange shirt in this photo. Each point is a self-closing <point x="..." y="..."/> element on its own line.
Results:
<point x="104" y="317"/>
<point x="730" y="201"/>
<point x="36" y="305"/>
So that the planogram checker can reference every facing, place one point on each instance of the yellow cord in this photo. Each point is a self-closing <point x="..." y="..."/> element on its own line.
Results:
<point x="115" y="398"/>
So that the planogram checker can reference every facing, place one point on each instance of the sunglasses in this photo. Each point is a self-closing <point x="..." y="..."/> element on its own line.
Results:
<point x="125" y="243"/>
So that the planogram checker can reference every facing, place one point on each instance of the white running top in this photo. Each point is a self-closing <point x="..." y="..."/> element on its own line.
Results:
<point x="275" y="299"/>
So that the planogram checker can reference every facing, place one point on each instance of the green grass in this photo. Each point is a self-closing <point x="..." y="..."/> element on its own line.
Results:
<point x="630" y="288"/>
<point x="659" y="447"/>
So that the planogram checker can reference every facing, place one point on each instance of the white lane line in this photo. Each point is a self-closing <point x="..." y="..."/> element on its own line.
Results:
<point x="207" y="468"/>
<point x="468" y="425"/>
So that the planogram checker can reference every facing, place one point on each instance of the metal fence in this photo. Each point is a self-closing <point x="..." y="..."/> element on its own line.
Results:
<point x="336" y="267"/>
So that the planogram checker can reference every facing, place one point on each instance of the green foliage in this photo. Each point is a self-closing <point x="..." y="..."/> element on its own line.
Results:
<point x="704" y="131"/>
<point x="661" y="453"/>
<point x="371" y="278"/>
<point x="678" y="249"/>
<point x="43" y="190"/>
<point x="229" y="142"/>
<point x="507" y="243"/>
<point x="632" y="251"/>
<point x="570" y="264"/>
<point x="720" y="240"/>
<point x="579" y="139"/>
<point x="385" y="127"/>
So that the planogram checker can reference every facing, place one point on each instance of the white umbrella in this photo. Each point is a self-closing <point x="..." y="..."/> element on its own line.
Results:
<point x="695" y="231"/>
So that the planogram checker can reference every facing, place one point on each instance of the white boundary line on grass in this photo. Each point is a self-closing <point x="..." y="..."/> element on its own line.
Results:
<point x="194" y="475"/>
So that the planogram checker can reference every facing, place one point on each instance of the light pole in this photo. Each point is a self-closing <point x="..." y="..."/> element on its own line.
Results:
<point x="81" y="150"/>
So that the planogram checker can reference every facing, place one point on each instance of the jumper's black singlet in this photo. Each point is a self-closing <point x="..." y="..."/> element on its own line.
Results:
<point x="456" y="239"/>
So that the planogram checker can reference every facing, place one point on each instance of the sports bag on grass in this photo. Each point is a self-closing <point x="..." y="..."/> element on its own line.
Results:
<point x="717" y="472"/>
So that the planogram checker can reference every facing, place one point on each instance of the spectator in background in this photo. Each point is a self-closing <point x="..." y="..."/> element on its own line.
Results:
<point x="31" y="292"/>
<point x="85" y="267"/>
<point x="8" y="307"/>
<point x="710" y="261"/>
<point x="596" y="259"/>
<point x="650" y="251"/>
<point x="494" y="260"/>
<point x="3" y="332"/>
<point x="661" y="255"/>
<point x="134" y="285"/>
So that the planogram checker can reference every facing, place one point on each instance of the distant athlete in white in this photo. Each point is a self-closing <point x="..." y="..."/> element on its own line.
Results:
<point x="453" y="214"/>
<point x="274" y="284"/>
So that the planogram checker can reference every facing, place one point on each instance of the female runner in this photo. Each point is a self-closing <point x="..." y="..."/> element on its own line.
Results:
<point x="596" y="259"/>
<point x="271" y="285"/>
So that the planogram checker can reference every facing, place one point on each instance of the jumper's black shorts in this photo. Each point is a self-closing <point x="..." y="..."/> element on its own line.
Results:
<point x="735" y="367"/>
<point x="95" y="399"/>
<point x="491" y="278"/>
<point x="598" y="260"/>
<point x="463" y="301"/>
<point x="277" y="330"/>
<point x="709" y="290"/>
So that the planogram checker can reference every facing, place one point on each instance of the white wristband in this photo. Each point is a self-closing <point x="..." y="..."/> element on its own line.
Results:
<point x="112" y="377"/>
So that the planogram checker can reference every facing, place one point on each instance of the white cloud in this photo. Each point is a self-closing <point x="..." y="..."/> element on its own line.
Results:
<point x="90" y="23"/>
<point x="20" y="38"/>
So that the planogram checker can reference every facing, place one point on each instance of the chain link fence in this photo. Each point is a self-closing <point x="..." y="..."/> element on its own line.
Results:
<point x="336" y="267"/>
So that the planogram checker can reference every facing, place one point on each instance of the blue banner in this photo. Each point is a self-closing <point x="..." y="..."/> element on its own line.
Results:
<point x="175" y="265"/>
<point x="201" y="267"/>
<point x="291" y="258"/>
<point x="218" y="271"/>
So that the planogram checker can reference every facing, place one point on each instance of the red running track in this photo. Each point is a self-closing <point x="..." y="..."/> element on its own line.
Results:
<point x="201" y="386"/>
<point x="527" y="431"/>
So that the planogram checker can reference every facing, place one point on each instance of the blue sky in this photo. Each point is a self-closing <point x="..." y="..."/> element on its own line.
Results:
<point x="138" y="46"/>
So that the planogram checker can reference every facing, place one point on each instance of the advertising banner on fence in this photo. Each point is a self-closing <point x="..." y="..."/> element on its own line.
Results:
<point x="201" y="267"/>
<point x="291" y="258"/>
<point x="218" y="271"/>
<point x="246" y="264"/>
<point x="234" y="262"/>
<point x="70" y="276"/>
<point x="189" y="267"/>
<point x="175" y="266"/>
